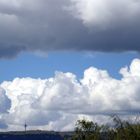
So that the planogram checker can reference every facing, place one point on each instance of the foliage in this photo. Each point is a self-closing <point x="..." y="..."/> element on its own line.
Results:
<point x="87" y="130"/>
<point x="122" y="130"/>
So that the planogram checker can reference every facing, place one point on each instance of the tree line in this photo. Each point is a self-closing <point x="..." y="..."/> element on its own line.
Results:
<point x="121" y="130"/>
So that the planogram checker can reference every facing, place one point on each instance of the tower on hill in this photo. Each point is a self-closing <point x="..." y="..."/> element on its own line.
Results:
<point x="25" y="126"/>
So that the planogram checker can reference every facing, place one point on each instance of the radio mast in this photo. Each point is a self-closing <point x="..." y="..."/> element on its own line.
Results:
<point x="25" y="126"/>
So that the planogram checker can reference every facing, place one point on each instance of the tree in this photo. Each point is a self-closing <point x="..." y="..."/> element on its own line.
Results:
<point x="86" y="130"/>
<point x="125" y="130"/>
<point x="122" y="130"/>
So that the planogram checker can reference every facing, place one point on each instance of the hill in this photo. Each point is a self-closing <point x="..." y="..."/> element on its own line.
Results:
<point x="35" y="135"/>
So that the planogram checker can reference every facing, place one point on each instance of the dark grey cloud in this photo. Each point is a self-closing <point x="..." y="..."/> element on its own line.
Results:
<point x="57" y="25"/>
<point x="10" y="51"/>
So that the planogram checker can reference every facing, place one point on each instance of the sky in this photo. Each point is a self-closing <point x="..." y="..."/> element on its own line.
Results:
<point x="61" y="61"/>
<point x="35" y="66"/>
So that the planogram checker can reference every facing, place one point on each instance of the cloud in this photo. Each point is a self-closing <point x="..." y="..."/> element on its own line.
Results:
<point x="83" y="25"/>
<point x="57" y="102"/>
<point x="3" y="125"/>
<point x="5" y="103"/>
<point x="105" y="13"/>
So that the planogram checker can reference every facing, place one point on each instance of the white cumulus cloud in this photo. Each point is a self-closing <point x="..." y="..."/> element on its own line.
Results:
<point x="5" y="104"/>
<point x="56" y="103"/>
<point x="4" y="101"/>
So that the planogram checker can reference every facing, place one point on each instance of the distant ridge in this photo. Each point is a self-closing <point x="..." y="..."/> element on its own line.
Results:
<point x="35" y="135"/>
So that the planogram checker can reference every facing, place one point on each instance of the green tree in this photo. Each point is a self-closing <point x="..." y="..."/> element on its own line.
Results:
<point x="125" y="131"/>
<point x="86" y="130"/>
<point x="122" y="130"/>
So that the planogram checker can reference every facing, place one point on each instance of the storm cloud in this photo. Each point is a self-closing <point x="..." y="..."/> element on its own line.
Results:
<point x="72" y="25"/>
